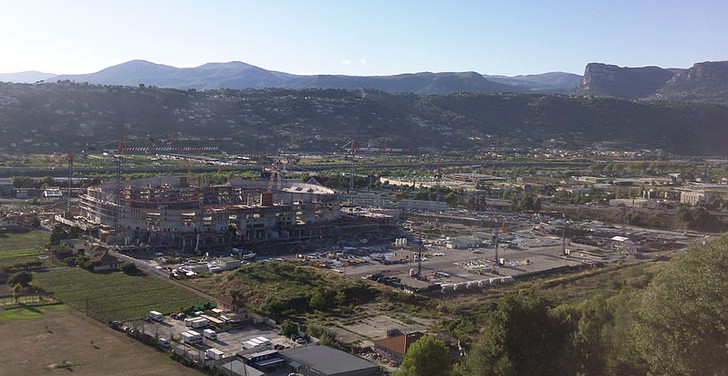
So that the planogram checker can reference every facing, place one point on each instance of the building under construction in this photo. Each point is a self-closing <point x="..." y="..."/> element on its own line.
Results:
<point x="170" y="211"/>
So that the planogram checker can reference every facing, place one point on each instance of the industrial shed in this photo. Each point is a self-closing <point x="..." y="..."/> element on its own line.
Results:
<point x="327" y="361"/>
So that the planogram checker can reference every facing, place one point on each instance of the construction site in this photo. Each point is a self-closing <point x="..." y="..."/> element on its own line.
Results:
<point x="173" y="212"/>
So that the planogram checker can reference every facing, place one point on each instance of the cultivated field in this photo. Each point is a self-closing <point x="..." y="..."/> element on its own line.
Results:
<point x="36" y="339"/>
<point x="114" y="296"/>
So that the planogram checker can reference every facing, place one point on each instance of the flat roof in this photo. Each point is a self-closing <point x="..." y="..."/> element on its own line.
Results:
<point x="328" y="360"/>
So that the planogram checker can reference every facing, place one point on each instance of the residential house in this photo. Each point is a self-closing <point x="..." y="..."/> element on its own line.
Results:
<point x="108" y="262"/>
<point x="394" y="348"/>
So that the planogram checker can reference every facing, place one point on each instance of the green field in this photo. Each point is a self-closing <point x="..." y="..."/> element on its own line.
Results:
<point x="32" y="311"/>
<point x="20" y="240"/>
<point x="114" y="296"/>
<point x="22" y="246"/>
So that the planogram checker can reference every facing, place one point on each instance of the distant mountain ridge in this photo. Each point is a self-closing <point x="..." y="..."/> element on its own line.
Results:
<point x="239" y="75"/>
<point x="552" y="82"/>
<point x="704" y="82"/>
<point x="26" y="77"/>
<point x="232" y="75"/>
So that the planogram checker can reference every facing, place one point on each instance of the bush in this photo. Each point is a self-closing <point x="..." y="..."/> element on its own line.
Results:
<point x="129" y="268"/>
<point x="289" y="328"/>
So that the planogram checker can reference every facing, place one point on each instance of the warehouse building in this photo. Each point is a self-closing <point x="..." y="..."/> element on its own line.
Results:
<point x="327" y="361"/>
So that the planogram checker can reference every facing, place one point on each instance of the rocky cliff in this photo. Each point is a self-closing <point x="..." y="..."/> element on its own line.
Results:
<point x="629" y="83"/>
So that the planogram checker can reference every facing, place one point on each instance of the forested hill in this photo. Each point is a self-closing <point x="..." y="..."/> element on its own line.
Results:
<point x="73" y="117"/>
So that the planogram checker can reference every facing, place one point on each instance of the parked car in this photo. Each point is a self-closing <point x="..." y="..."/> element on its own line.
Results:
<point x="163" y="343"/>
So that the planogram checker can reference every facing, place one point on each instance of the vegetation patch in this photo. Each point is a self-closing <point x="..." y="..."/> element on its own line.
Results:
<point x="284" y="289"/>
<point x="10" y="240"/>
<point x="114" y="296"/>
<point x="29" y="311"/>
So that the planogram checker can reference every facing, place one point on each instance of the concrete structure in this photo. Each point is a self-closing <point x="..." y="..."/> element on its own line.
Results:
<point x="693" y="197"/>
<point x="171" y="211"/>
<point x="422" y="205"/>
<point x="77" y="245"/>
<point x="327" y="361"/>
<point x="460" y="242"/>
<point x="373" y="201"/>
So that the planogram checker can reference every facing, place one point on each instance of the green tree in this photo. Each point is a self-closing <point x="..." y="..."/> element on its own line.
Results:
<point x="682" y="321"/>
<point x="57" y="234"/>
<point x="319" y="299"/>
<point x="428" y="356"/>
<point x="129" y="268"/>
<point x="47" y="182"/>
<point x="34" y="221"/>
<point x="23" y="182"/>
<point x="289" y="328"/>
<point x="340" y="298"/>
<point x="22" y="278"/>
<point x="521" y="337"/>
<point x="17" y="291"/>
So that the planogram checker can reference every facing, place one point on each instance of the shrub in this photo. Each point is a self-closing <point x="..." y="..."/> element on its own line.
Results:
<point x="129" y="268"/>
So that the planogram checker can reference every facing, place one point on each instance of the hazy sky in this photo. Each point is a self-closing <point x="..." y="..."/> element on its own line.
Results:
<point x="362" y="37"/>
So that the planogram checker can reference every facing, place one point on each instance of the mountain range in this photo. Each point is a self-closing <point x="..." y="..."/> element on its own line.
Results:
<point x="704" y="82"/>
<point x="239" y="75"/>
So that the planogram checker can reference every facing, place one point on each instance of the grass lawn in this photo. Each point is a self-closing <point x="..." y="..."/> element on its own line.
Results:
<point x="29" y="311"/>
<point x="114" y="296"/>
<point x="10" y="241"/>
<point x="22" y="246"/>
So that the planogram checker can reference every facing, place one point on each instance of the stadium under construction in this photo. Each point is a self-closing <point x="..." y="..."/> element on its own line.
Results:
<point x="171" y="211"/>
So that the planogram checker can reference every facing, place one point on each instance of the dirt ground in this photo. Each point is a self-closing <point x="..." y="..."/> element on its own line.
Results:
<point x="30" y="346"/>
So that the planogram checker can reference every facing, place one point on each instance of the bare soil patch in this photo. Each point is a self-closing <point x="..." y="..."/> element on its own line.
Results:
<point x="67" y="342"/>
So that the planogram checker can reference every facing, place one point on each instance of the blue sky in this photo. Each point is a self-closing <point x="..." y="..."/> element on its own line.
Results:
<point x="362" y="37"/>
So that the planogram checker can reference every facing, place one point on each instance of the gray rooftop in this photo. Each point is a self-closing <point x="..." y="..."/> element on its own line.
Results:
<point x="328" y="360"/>
<point x="236" y="367"/>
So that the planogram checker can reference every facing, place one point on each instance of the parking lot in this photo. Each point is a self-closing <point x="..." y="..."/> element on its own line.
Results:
<point x="228" y="341"/>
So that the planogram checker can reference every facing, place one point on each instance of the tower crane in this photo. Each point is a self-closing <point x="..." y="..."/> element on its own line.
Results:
<point x="277" y="173"/>
<point x="70" y="180"/>
<point x="351" y="149"/>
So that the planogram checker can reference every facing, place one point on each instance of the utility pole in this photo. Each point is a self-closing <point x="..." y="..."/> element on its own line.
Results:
<point x="497" y="260"/>
<point x="563" y="233"/>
